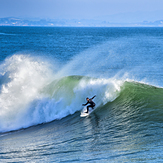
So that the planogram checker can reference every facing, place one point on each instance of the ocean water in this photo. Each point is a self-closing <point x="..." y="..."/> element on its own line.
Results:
<point x="45" y="76"/>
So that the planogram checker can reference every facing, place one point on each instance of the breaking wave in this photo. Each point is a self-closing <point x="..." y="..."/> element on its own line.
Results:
<point x="31" y="93"/>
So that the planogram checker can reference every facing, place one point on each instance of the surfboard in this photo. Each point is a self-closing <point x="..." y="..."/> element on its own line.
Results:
<point x="84" y="114"/>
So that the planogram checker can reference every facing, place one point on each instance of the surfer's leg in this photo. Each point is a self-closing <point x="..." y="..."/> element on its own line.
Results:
<point x="88" y="108"/>
<point x="93" y="106"/>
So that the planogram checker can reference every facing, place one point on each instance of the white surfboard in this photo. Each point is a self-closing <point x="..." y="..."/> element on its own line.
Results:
<point x="83" y="112"/>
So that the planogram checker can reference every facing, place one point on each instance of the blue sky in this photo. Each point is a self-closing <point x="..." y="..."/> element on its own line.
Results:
<point x="114" y="10"/>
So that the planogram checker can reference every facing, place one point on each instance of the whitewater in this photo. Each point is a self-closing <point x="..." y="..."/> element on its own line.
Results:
<point x="32" y="94"/>
<point x="46" y="75"/>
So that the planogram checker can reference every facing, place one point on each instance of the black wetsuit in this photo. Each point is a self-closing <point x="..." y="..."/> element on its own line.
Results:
<point x="92" y="104"/>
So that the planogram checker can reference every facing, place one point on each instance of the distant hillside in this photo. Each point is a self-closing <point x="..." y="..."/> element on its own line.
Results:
<point x="11" y="21"/>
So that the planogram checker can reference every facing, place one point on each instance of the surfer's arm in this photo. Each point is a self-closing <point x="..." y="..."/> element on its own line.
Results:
<point x="85" y="104"/>
<point x="93" y="97"/>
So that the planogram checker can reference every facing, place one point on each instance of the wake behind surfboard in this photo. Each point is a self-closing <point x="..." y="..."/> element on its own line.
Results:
<point x="84" y="114"/>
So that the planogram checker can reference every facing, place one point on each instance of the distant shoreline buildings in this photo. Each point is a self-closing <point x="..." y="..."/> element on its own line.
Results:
<point x="12" y="21"/>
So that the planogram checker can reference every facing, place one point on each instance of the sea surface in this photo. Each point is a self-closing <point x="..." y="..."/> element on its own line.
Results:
<point x="45" y="76"/>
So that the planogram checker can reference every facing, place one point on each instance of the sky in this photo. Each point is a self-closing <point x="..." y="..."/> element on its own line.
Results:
<point x="113" y="10"/>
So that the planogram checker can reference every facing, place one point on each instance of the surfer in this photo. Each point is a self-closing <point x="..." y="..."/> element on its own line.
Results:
<point x="89" y="101"/>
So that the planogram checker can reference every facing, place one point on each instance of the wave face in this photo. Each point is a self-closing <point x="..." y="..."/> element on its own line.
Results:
<point x="31" y="94"/>
<point x="139" y="101"/>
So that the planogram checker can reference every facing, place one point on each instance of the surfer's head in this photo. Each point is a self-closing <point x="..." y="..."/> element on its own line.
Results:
<point x="87" y="99"/>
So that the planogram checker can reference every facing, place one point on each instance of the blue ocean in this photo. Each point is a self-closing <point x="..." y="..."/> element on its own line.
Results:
<point x="46" y="74"/>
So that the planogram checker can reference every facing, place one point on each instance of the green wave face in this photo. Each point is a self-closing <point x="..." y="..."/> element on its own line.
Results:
<point x="138" y="102"/>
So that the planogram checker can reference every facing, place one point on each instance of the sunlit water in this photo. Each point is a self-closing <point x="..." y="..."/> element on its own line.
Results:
<point x="45" y="76"/>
